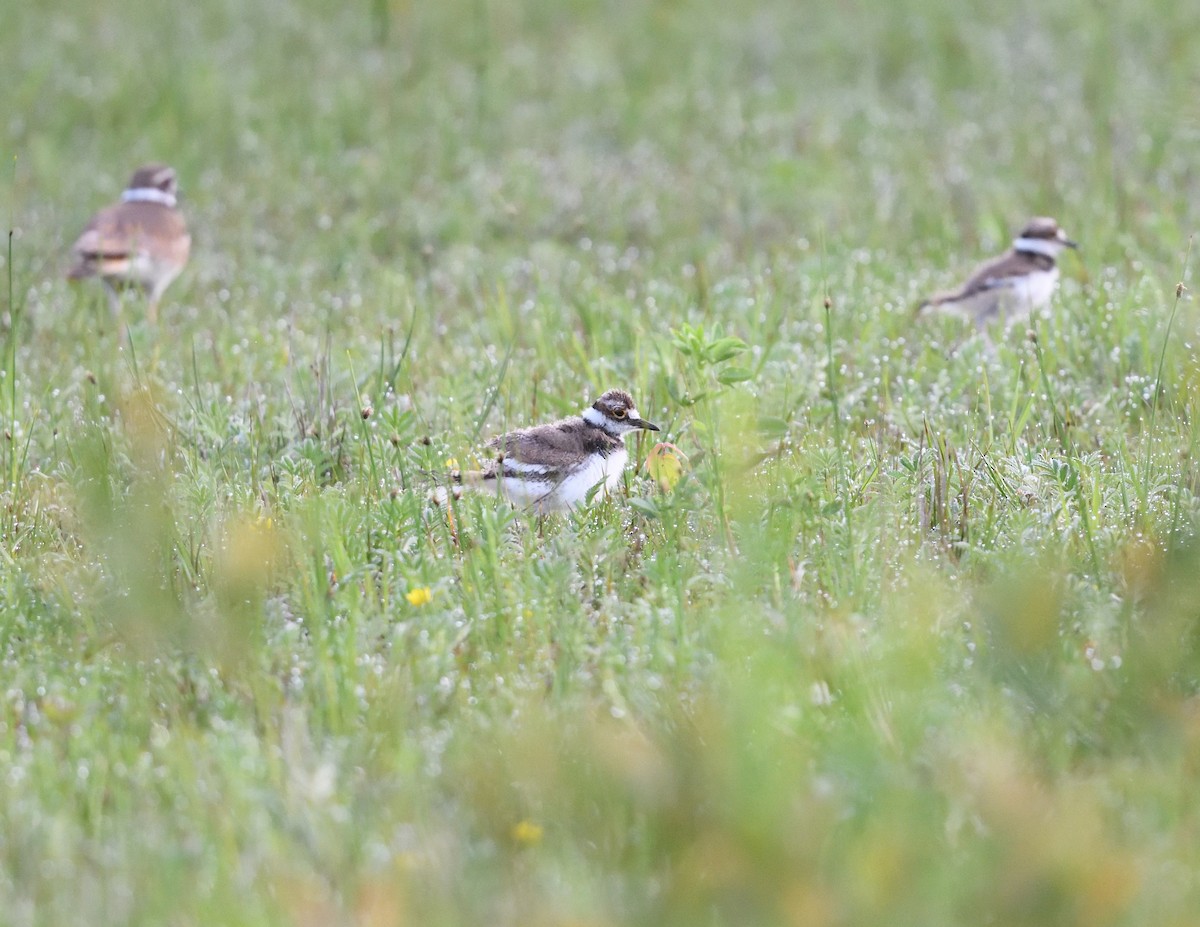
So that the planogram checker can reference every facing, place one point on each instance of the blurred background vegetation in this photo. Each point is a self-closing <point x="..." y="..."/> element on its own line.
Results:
<point x="913" y="640"/>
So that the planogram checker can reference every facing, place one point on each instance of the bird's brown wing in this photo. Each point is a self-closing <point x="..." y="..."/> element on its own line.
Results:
<point x="115" y="235"/>
<point x="994" y="274"/>
<point x="547" y="452"/>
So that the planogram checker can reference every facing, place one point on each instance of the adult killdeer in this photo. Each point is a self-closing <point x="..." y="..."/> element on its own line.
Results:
<point x="552" y="468"/>
<point x="1014" y="284"/>
<point x="141" y="242"/>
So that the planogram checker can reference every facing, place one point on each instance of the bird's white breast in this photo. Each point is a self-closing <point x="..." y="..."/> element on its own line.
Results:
<point x="1011" y="299"/>
<point x="1032" y="291"/>
<point x="529" y="488"/>
<point x="524" y="492"/>
<point x="573" y="490"/>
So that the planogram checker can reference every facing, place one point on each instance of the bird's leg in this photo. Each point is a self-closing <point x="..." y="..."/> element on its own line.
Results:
<point x="154" y="294"/>
<point x="114" y="298"/>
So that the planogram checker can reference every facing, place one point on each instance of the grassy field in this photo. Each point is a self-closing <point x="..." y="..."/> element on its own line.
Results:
<point x="915" y="640"/>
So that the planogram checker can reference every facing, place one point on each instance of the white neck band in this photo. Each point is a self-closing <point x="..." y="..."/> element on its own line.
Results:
<point x="148" y="195"/>
<point x="1049" y="247"/>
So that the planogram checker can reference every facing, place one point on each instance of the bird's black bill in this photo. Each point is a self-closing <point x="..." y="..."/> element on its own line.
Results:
<point x="1071" y="244"/>
<point x="642" y="423"/>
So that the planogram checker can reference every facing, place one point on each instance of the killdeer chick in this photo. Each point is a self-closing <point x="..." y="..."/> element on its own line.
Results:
<point x="141" y="242"/>
<point x="1014" y="284"/>
<point x="552" y="468"/>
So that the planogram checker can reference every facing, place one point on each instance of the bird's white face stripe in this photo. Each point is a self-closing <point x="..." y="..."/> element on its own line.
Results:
<point x="617" y="427"/>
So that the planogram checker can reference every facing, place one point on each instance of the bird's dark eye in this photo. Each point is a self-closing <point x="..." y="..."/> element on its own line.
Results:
<point x="618" y="413"/>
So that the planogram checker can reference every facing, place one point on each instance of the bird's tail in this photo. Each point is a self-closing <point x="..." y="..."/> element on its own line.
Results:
<point x="936" y="300"/>
<point x="81" y="270"/>
<point x="459" y="481"/>
<point x="468" y="479"/>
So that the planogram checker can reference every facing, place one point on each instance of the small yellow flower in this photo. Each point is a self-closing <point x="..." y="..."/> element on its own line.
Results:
<point x="527" y="833"/>
<point x="452" y="463"/>
<point x="422" y="595"/>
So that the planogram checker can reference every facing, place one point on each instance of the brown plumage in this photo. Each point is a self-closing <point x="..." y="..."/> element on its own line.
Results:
<point x="553" y="467"/>
<point x="1013" y="284"/>
<point x="554" y="448"/>
<point x="141" y="242"/>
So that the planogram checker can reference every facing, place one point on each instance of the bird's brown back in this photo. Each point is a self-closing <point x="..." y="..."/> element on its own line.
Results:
<point x="117" y="233"/>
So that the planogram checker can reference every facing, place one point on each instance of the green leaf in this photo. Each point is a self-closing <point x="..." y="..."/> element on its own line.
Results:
<point x="724" y="348"/>
<point x="771" y="427"/>
<point x="646" y="506"/>
<point x="734" y="375"/>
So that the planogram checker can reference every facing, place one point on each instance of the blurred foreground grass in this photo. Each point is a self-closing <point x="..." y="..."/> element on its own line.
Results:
<point x="913" y="641"/>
